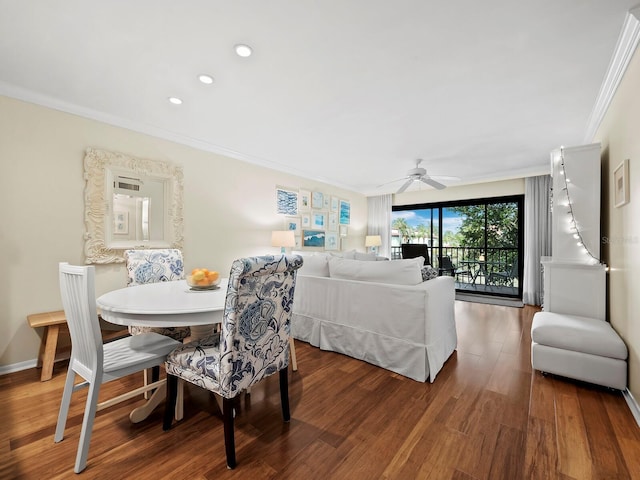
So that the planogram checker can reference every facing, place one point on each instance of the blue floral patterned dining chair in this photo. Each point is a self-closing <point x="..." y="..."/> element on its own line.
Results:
<point x="253" y="342"/>
<point x="152" y="266"/>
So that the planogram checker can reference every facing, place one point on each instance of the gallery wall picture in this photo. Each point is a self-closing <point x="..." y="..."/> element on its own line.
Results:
<point x="305" y="200"/>
<point x="332" y="222"/>
<point x="317" y="200"/>
<point x="313" y="238"/>
<point x="345" y="212"/>
<point x="294" y="224"/>
<point x="319" y="221"/>
<point x="286" y="201"/>
<point x="331" y="241"/>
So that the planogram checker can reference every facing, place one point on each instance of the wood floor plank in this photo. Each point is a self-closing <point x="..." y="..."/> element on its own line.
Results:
<point x="486" y="416"/>
<point x="574" y="454"/>
<point x="541" y="454"/>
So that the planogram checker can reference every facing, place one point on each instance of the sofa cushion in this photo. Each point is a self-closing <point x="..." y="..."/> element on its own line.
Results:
<point x="350" y="255"/>
<point x="580" y="334"/>
<point x="397" y="272"/>
<point x="365" y="256"/>
<point x="315" y="265"/>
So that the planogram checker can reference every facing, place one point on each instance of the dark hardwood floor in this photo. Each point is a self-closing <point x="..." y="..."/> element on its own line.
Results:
<point x="487" y="416"/>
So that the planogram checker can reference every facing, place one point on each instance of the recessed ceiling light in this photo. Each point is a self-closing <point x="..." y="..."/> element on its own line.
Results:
<point x="243" y="50"/>
<point x="175" y="100"/>
<point x="206" y="79"/>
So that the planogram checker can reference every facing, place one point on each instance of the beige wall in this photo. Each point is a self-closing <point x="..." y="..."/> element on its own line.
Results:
<point x="228" y="210"/>
<point x="463" y="192"/>
<point x="619" y="134"/>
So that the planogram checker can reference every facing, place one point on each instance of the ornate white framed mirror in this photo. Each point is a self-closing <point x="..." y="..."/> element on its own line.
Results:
<point x="130" y="202"/>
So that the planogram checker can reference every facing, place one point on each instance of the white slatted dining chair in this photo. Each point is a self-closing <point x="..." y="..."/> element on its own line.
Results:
<point x="97" y="363"/>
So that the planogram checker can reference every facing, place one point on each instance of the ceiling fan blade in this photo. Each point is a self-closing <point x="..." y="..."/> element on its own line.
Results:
<point x="405" y="186"/>
<point x="392" y="181"/>
<point x="446" y="178"/>
<point x="433" y="183"/>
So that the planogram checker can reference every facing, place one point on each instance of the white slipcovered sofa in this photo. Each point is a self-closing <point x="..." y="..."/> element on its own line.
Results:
<point x="379" y="312"/>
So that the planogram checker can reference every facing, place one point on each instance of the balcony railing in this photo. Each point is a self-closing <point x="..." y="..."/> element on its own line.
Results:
<point x="489" y="269"/>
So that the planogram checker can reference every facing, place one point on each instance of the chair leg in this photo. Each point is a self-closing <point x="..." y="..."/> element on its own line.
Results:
<point x="64" y="405"/>
<point x="154" y="373"/>
<point x="292" y="352"/>
<point x="170" y="404"/>
<point x="87" y="425"/>
<point x="284" y="394"/>
<point x="229" y="438"/>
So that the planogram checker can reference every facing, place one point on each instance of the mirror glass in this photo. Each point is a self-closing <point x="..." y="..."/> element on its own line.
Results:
<point x="130" y="203"/>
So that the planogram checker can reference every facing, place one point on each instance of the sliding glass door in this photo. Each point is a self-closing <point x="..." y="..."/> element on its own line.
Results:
<point x="479" y="241"/>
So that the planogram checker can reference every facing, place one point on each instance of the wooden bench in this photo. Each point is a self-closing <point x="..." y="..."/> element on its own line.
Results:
<point x="54" y="323"/>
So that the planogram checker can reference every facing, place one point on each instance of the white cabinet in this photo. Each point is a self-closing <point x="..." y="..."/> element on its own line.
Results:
<point x="574" y="281"/>
<point x="574" y="288"/>
<point x="580" y="178"/>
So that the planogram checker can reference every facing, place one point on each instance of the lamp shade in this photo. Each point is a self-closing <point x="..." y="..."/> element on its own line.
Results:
<point x="373" y="241"/>
<point x="283" y="238"/>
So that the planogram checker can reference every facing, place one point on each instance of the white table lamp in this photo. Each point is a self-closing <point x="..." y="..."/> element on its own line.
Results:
<point x="373" y="241"/>
<point x="283" y="239"/>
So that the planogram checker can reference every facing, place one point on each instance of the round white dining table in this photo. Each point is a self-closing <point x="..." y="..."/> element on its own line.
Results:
<point x="164" y="304"/>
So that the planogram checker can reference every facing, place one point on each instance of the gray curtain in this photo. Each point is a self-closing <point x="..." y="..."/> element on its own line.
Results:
<point x="379" y="221"/>
<point x="537" y="236"/>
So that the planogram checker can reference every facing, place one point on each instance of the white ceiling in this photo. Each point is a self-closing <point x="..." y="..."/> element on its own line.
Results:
<point x="348" y="92"/>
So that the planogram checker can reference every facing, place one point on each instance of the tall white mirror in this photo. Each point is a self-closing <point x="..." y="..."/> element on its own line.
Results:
<point x="130" y="203"/>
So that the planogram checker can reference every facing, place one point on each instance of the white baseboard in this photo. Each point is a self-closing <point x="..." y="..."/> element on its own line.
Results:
<point x="17" y="367"/>
<point x="633" y="405"/>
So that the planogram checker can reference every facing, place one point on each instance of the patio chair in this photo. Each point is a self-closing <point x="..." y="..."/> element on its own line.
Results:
<point x="415" y="250"/>
<point x="505" y="277"/>
<point x="448" y="266"/>
<point x="253" y="342"/>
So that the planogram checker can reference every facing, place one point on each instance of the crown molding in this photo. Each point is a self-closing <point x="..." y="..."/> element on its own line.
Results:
<point x="53" y="103"/>
<point x="626" y="46"/>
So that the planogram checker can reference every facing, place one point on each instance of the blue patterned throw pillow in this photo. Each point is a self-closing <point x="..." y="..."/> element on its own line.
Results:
<point x="428" y="272"/>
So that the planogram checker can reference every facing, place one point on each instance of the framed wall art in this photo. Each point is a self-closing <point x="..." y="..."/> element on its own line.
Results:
<point x="332" y="222"/>
<point x="319" y="221"/>
<point x="294" y="224"/>
<point x="345" y="212"/>
<point x="121" y="223"/>
<point x="305" y="221"/>
<point x="317" y="200"/>
<point x="331" y="241"/>
<point x="286" y="201"/>
<point x="621" y="184"/>
<point x="305" y="200"/>
<point x="313" y="238"/>
<point x="334" y="205"/>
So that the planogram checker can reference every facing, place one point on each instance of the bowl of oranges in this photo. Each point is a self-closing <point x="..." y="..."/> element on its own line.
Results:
<point x="203" y="279"/>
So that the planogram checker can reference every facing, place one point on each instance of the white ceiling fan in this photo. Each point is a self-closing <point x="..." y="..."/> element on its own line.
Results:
<point x="419" y="174"/>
